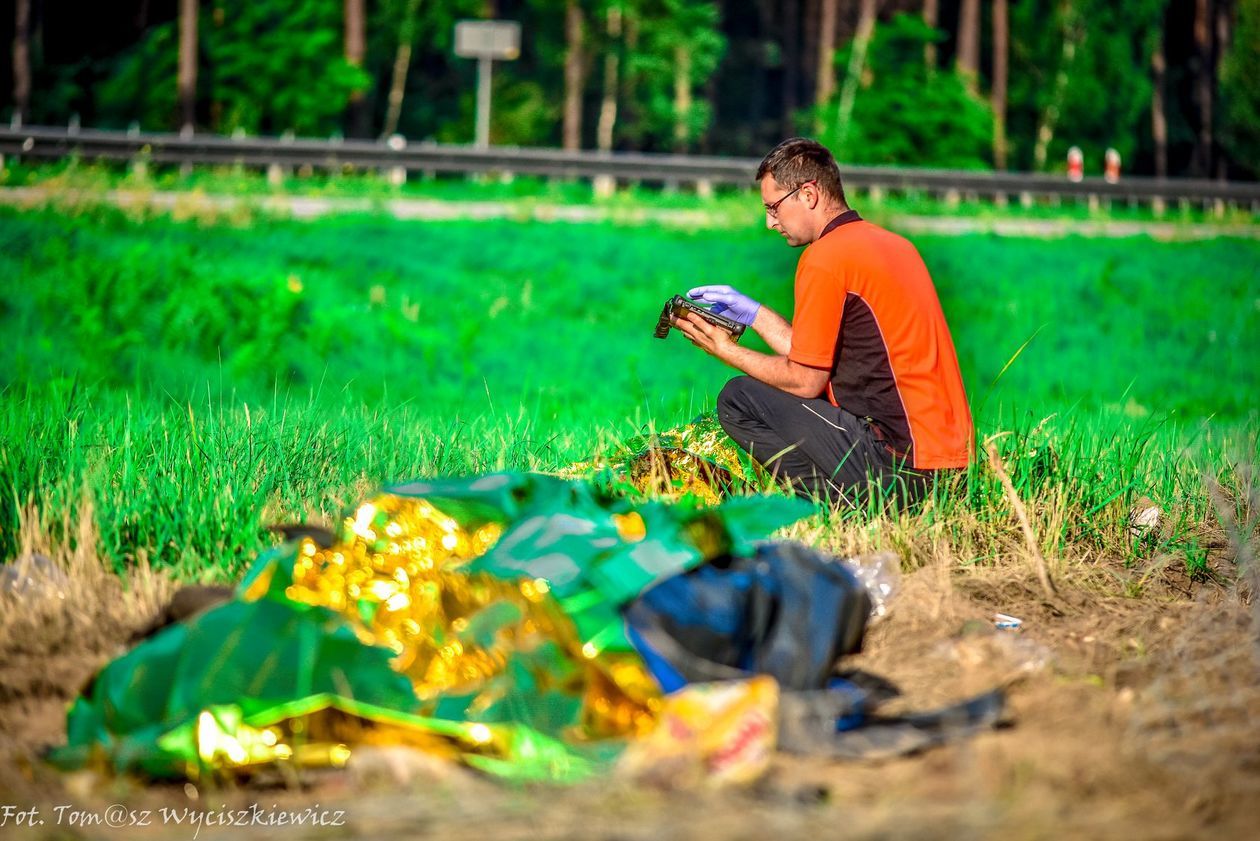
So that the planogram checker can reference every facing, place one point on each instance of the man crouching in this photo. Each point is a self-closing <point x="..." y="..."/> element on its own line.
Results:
<point x="863" y="385"/>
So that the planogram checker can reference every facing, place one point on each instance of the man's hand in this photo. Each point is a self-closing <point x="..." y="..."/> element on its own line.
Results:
<point x="727" y="301"/>
<point x="710" y="338"/>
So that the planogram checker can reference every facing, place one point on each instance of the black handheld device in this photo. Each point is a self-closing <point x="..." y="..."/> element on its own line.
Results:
<point x="678" y="305"/>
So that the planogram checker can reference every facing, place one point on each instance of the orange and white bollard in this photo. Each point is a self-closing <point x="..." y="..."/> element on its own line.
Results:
<point x="1075" y="164"/>
<point x="1111" y="166"/>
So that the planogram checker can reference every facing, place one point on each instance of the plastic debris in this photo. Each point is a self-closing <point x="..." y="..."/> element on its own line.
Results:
<point x="880" y="573"/>
<point x="713" y="733"/>
<point x="1144" y="518"/>
<point x="1005" y="621"/>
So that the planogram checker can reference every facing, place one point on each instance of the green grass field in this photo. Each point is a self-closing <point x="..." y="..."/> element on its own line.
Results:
<point x="192" y="382"/>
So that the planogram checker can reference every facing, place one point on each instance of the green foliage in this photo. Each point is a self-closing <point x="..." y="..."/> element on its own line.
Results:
<point x="523" y="114"/>
<point x="265" y="67"/>
<point x="1086" y="65"/>
<point x="1240" y="89"/>
<point x="905" y="115"/>
<point x="143" y="84"/>
<point x="679" y="41"/>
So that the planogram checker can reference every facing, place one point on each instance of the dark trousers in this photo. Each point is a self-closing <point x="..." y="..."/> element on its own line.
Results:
<point x="824" y="451"/>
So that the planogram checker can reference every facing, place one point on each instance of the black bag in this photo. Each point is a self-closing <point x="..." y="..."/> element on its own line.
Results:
<point x="789" y="611"/>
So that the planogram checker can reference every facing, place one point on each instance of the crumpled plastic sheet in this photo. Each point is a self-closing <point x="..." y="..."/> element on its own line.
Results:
<point x="477" y="619"/>
<point x="697" y="459"/>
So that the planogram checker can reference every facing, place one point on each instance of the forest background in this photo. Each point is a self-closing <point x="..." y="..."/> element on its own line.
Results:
<point x="1172" y="85"/>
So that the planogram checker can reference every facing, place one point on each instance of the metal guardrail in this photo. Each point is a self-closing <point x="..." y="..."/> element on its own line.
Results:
<point x="265" y="152"/>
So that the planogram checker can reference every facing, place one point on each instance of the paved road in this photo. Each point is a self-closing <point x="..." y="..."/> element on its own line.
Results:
<point x="309" y="207"/>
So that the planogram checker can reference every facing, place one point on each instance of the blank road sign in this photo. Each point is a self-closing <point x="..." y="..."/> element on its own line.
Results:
<point x="497" y="39"/>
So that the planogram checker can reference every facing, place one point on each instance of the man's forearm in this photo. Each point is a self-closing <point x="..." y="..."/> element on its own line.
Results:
<point x="774" y="329"/>
<point x="776" y="370"/>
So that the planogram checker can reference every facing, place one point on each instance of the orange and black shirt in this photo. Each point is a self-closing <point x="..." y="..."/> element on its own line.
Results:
<point x="867" y="312"/>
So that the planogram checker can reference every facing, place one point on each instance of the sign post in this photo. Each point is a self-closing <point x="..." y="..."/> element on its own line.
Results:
<point x="486" y="40"/>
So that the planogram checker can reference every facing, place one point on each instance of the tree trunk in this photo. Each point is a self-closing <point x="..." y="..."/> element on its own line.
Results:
<point x="356" y="109"/>
<point x="931" y="15"/>
<point x="682" y="97"/>
<point x="968" y="58"/>
<point x="853" y="74"/>
<point x="572" y="129"/>
<point x="1159" y="118"/>
<point x="630" y="111"/>
<point x="187" y="65"/>
<point x="22" y="61"/>
<point x="1203" y="86"/>
<point x="825" y="85"/>
<point x="1050" y="116"/>
<point x="1001" y="45"/>
<point x="402" y="63"/>
<point x="1224" y="37"/>
<point x="608" y="105"/>
<point x="704" y="144"/>
<point x="767" y="13"/>
<point x="809" y="46"/>
<point x="791" y="48"/>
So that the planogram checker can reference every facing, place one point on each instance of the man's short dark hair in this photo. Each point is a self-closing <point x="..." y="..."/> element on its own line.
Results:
<point x="799" y="159"/>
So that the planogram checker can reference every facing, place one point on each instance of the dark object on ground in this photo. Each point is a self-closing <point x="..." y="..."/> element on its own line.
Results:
<point x="185" y="604"/>
<point x="807" y="724"/>
<point x="789" y="612"/>
<point x="320" y="536"/>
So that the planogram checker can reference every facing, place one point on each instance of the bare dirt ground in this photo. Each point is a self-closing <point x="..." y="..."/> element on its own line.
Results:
<point x="1128" y="718"/>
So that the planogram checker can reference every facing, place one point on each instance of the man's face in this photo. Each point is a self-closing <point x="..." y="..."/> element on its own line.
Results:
<point x="784" y="211"/>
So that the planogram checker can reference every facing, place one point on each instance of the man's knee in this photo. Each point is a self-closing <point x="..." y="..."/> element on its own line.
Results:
<point x="732" y="402"/>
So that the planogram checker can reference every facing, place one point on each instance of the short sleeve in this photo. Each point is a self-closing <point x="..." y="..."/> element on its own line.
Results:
<point x="819" y="306"/>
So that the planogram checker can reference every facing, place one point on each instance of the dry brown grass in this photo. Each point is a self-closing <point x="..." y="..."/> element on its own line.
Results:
<point x="70" y="615"/>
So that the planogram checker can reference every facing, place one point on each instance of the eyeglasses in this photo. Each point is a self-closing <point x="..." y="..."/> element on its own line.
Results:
<point x="772" y="210"/>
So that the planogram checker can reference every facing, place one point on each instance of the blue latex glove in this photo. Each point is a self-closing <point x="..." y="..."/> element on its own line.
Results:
<point x="727" y="301"/>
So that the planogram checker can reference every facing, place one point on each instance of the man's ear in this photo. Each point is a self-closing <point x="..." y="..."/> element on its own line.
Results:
<point x="812" y="195"/>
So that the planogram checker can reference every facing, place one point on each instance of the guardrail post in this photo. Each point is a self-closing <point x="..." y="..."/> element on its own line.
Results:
<point x="876" y="195"/>
<point x="186" y="132"/>
<point x="396" y="175"/>
<point x="1025" y="199"/>
<point x="238" y="136"/>
<point x="1218" y="208"/>
<point x="1158" y="207"/>
<point x="952" y="198"/>
<point x="140" y="163"/>
<point x="275" y="172"/>
<point x="604" y="186"/>
<point x="1000" y="199"/>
